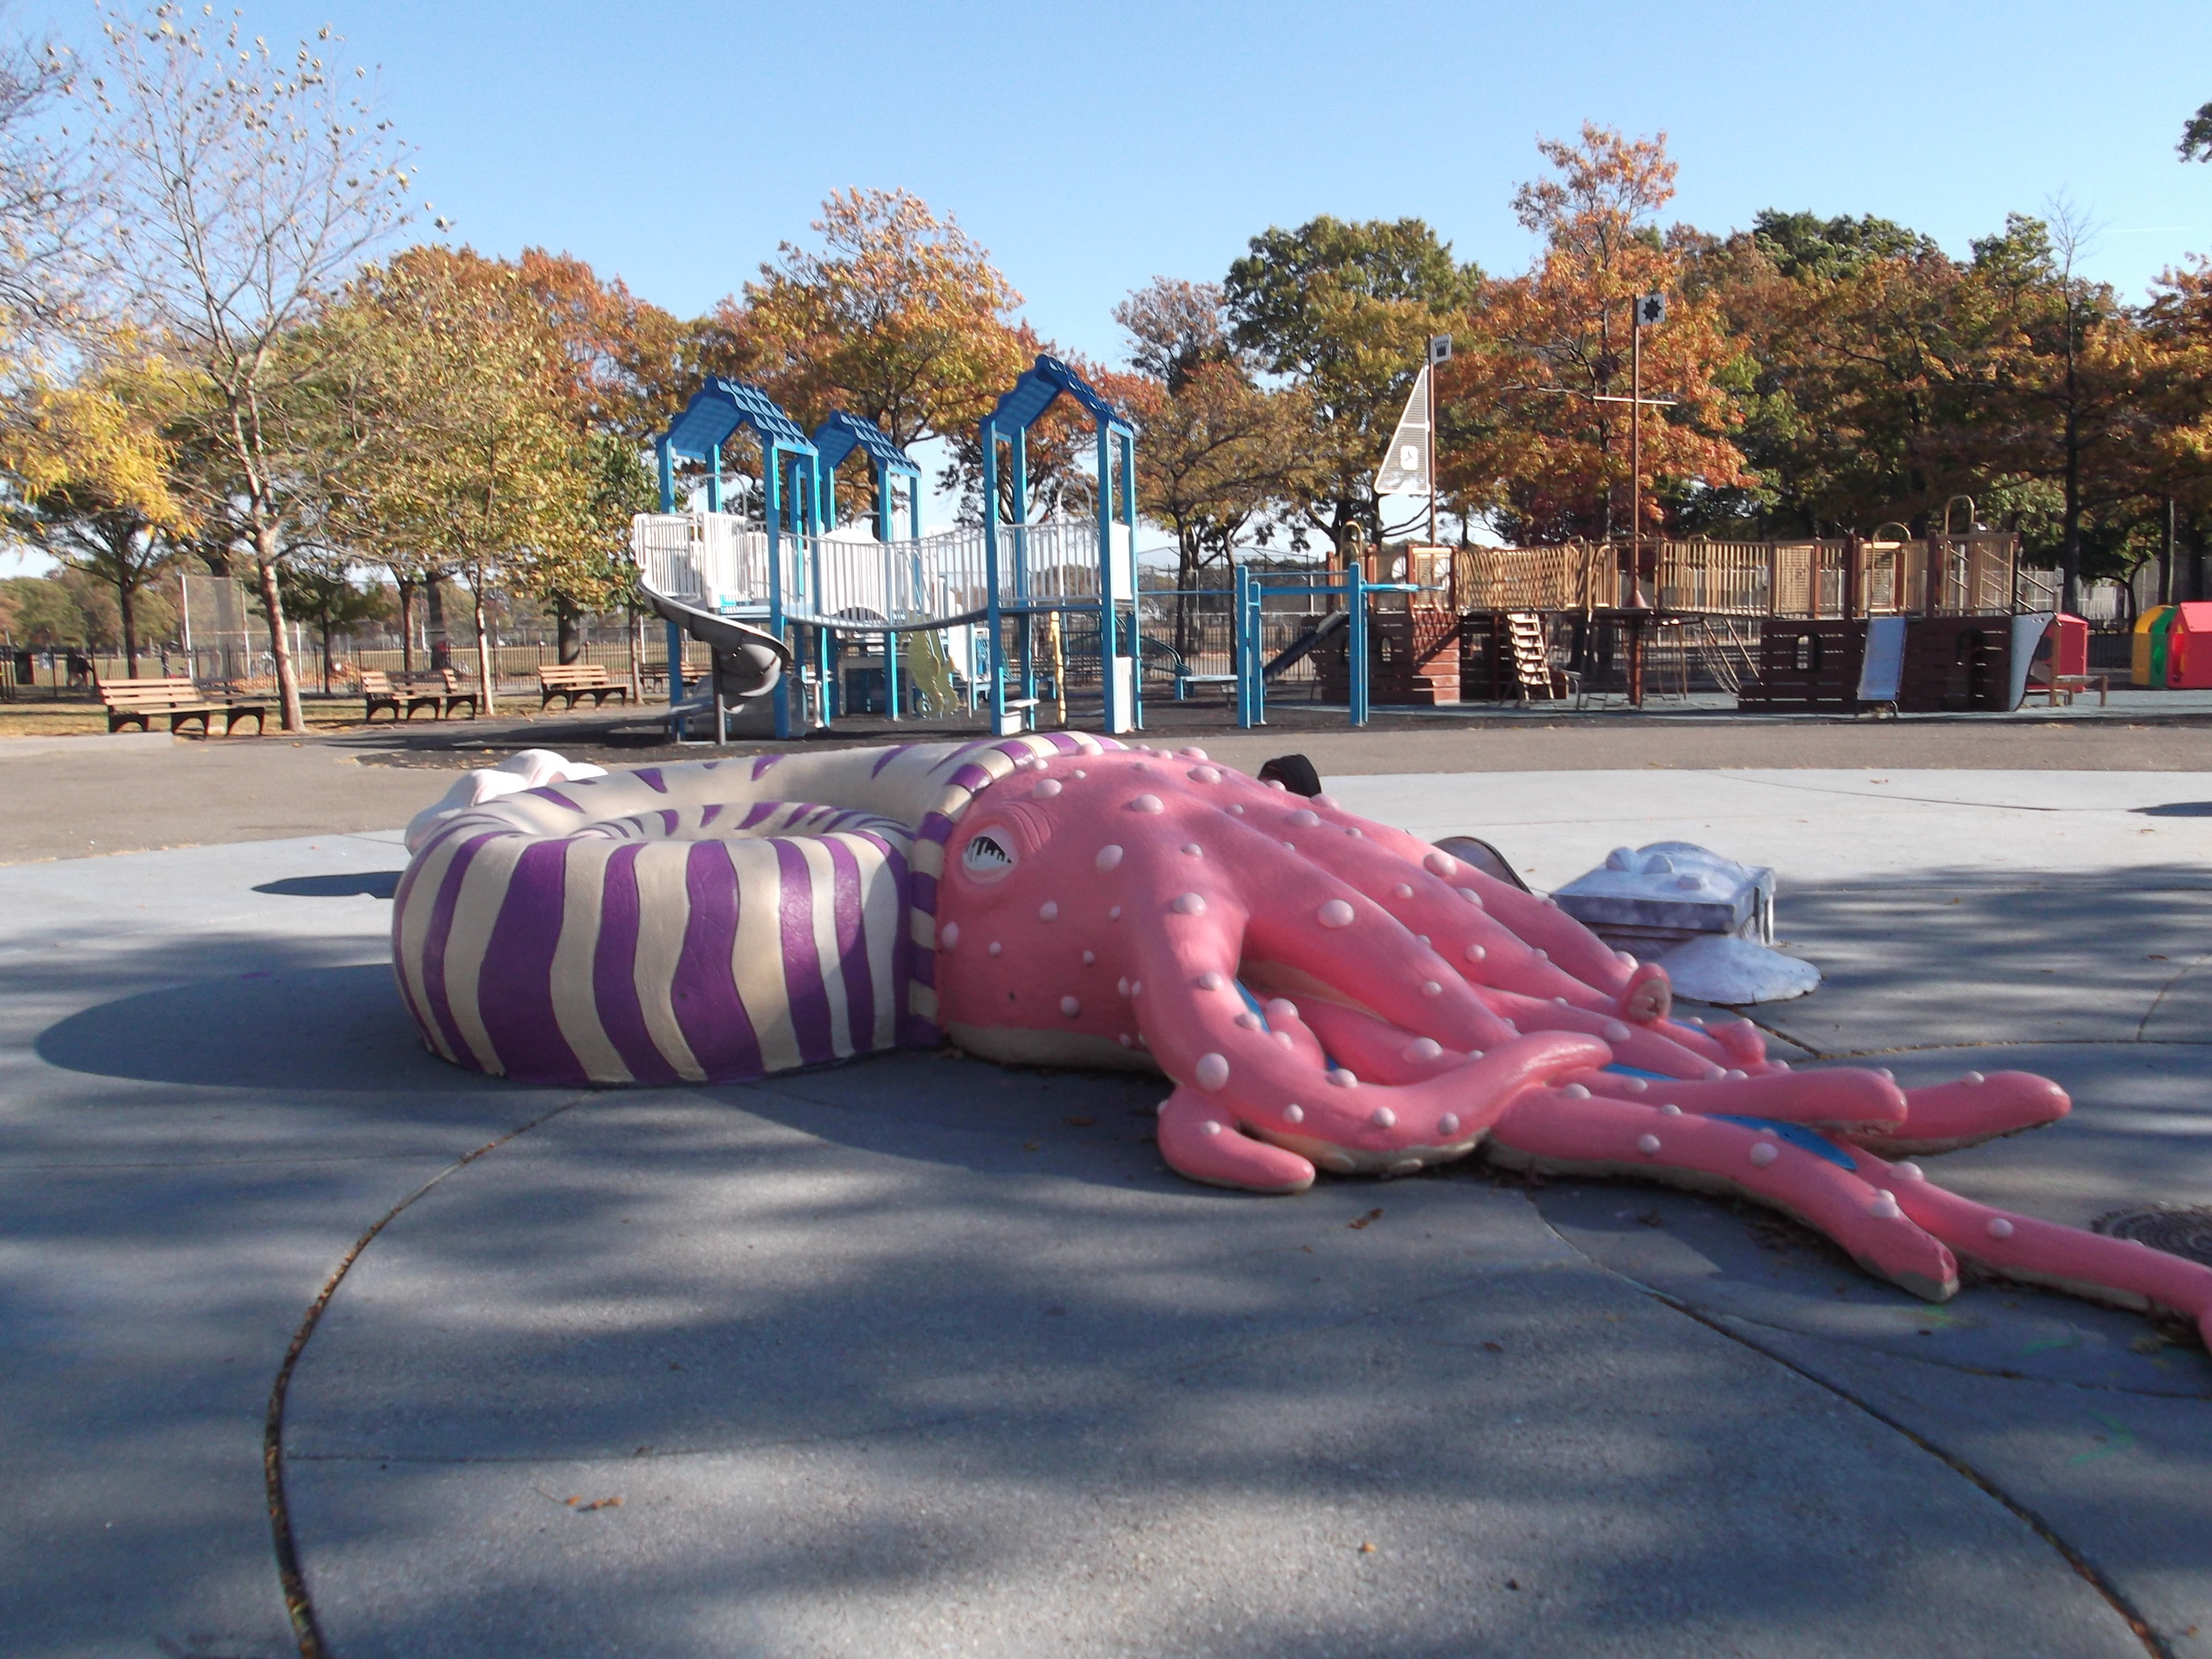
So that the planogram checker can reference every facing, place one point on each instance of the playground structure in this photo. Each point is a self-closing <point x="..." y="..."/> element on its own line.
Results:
<point x="1779" y="624"/>
<point x="965" y="603"/>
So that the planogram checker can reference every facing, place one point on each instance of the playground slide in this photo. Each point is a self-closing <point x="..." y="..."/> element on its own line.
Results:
<point x="750" y="661"/>
<point x="1305" y="642"/>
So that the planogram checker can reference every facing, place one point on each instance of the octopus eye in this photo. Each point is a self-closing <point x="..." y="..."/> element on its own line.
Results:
<point x="988" y="857"/>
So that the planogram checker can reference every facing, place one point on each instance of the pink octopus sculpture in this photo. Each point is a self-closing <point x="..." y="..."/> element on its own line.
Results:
<point x="1322" y="991"/>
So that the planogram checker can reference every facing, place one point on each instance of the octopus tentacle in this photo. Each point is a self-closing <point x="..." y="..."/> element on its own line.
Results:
<point x="2119" y="1271"/>
<point x="1548" y="1130"/>
<point x="1967" y="1111"/>
<point x="1199" y="1140"/>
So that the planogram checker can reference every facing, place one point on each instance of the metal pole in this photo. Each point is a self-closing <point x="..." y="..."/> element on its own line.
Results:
<point x="672" y="635"/>
<point x="1355" y="649"/>
<point x="1429" y="380"/>
<point x="1136" y="598"/>
<point x="771" y="492"/>
<point x="1106" y="616"/>
<point x="887" y="527"/>
<point x="990" y="580"/>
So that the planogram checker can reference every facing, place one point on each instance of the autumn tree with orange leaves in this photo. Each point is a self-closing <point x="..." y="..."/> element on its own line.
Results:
<point x="1528" y="437"/>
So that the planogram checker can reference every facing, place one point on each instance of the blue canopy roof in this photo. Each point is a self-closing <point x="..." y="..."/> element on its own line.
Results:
<point x="841" y="433"/>
<point x="1046" y="380"/>
<point x="720" y="408"/>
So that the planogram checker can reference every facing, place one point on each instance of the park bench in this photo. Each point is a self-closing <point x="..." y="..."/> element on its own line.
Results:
<point x="572" y="680"/>
<point x="135" y="702"/>
<point x="438" y="689"/>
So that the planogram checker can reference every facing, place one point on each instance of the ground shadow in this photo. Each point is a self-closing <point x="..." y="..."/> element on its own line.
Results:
<point x="2175" y="808"/>
<point x="372" y="883"/>
<point x="295" y="1029"/>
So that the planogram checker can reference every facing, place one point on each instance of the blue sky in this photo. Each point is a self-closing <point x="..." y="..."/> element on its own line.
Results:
<point x="1091" y="146"/>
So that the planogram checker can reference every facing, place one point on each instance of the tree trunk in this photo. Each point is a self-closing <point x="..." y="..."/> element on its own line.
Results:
<point x="123" y="597"/>
<point x="569" y="647"/>
<point x="433" y="621"/>
<point x="294" y="718"/>
<point x="406" y="586"/>
<point x="483" y="648"/>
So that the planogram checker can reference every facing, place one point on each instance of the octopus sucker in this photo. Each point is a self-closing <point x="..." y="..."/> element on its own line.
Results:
<point x="1322" y="992"/>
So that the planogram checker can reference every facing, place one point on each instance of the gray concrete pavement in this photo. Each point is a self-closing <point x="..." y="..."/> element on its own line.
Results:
<point x="921" y="1353"/>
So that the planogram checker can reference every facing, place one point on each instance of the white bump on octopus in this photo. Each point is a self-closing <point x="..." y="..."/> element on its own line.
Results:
<point x="1204" y="774"/>
<point x="1471" y="895"/>
<point x="1248" y="1021"/>
<point x="1328" y="801"/>
<point x="1113" y="913"/>
<point x="1575" y="1091"/>
<point x="1441" y="864"/>
<point x="1210" y="1127"/>
<point x="1335" y="913"/>
<point x="1627" y="961"/>
<point x="1136" y="987"/>
<point x="1476" y="953"/>
<point x="1615" y="1032"/>
<point x="1146" y="803"/>
<point x="1122" y="985"/>
<point x="1236" y="809"/>
<point x="1124" y="1040"/>
<point x="1212" y="1071"/>
<point x="949" y="935"/>
<point x="1402" y="891"/>
<point x="1424" y="1048"/>
<point x="1209" y="980"/>
<point x="1048" y="911"/>
<point x="1668" y="1109"/>
<point x="1885" y="1207"/>
<point x="1190" y="753"/>
<point x="1971" y="1077"/>
<point x="1405" y="1166"/>
<point x="1080" y="772"/>
<point x="1764" y="1153"/>
<point x="1192" y="849"/>
<point x="1382" y="1117"/>
<point x="1910" y="1170"/>
<point x="1293" y="1113"/>
<point x="994" y="947"/>
<point x="1635" y="1085"/>
<point x="1423" y="939"/>
<point x="1291" y="845"/>
<point x="1648" y="1145"/>
<point x="1449" y="1124"/>
<point x="1046" y="790"/>
<point x="1431" y="987"/>
<point x="1277" y="783"/>
<point x="1089" y="957"/>
<point x="1302" y="819"/>
<point x="1282" y="1009"/>
<point x="1109" y="855"/>
<point x="1542" y="955"/>
<point x="1999" y="1228"/>
<point x="1070" y="1007"/>
<point x="1189" y="904"/>
<point x="1336" y="1163"/>
<point x="1343" y="1078"/>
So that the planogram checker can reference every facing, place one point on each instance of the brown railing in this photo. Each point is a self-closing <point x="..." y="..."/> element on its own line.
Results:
<point x="1976" y="573"/>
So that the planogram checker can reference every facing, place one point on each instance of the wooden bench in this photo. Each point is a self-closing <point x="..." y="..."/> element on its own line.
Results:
<point x="135" y="702"/>
<point x="438" y="689"/>
<point x="572" y="680"/>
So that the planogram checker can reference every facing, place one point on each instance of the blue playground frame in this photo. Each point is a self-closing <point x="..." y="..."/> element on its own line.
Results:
<point x="716" y="412"/>
<point x="834" y="440"/>
<point x="1043" y="384"/>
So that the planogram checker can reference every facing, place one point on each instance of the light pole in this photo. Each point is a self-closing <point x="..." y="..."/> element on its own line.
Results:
<point x="1647" y="311"/>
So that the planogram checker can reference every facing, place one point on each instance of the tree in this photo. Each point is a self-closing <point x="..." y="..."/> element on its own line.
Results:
<point x="1537" y="414"/>
<point x="43" y="264"/>
<point x="2196" y="135"/>
<point x="900" y="317"/>
<point x="91" y="470"/>
<point x="41" y="611"/>
<point x="323" y="592"/>
<point x="240" y="193"/>
<point x="466" y="460"/>
<point x="1345" y="312"/>
<point x="1220" y="452"/>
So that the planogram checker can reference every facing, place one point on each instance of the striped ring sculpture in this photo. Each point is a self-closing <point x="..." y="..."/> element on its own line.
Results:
<point x="1321" y="992"/>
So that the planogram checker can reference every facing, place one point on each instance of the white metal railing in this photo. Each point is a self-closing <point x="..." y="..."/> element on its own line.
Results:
<point x="719" y="561"/>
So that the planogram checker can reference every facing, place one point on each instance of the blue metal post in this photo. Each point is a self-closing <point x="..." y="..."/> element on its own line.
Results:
<point x="675" y="635"/>
<point x="1136" y="593"/>
<point x="1355" y="652"/>
<point x="990" y="577"/>
<point x="1026" y="625"/>
<point x="714" y="480"/>
<point x="1239" y="642"/>
<point x="807" y="499"/>
<point x="772" y="489"/>
<point x="886" y="523"/>
<point x="1107" y="618"/>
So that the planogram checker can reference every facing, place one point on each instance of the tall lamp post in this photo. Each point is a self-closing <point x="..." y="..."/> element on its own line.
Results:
<point x="1648" y="311"/>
